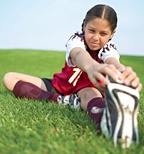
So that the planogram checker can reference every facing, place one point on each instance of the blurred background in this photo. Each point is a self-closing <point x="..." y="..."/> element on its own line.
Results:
<point x="48" y="24"/>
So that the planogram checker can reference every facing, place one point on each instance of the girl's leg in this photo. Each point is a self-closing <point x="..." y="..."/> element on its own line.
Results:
<point x="10" y="79"/>
<point x="27" y="86"/>
<point x="86" y="95"/>
<point x="93" y="102"/>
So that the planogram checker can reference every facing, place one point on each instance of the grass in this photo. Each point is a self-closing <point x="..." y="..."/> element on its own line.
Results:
<point x="36" y="127"/>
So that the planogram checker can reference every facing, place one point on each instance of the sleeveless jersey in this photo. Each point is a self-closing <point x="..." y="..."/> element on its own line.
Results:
<point x="72" y="79"/>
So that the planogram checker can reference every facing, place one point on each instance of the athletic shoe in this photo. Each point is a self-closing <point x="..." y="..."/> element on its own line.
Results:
<point x="119" y="120"/>
<point x="73" y="100"/>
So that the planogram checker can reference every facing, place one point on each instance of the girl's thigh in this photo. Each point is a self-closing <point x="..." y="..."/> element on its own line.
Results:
<point x="88" y="94"/>
<point x="11" y="78"/>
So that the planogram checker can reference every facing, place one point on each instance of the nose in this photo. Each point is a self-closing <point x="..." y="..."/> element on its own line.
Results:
<point x="95" y="36"/>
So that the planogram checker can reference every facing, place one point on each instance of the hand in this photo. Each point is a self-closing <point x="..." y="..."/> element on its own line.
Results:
<point x="97" y="73"/>
<point x="129" y="77"/>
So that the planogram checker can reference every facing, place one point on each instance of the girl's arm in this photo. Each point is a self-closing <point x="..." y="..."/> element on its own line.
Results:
<point x="94" y="70"/>
<point x="113" y="61"/>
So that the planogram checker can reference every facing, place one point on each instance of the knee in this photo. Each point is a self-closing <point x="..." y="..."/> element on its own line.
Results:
<point x="86" y="95"/>
<point x="90" y="93"/>
<point x="7" y="79"/>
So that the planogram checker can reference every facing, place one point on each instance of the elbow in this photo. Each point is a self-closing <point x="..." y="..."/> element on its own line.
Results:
<point x="75" y="55"/>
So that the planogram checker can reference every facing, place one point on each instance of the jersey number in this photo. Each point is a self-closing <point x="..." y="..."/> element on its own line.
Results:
<point x="74" y="78"/>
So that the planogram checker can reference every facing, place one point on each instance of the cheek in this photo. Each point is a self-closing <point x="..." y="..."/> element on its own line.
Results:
<point x="104" y="41"/>
<point x="87" y="37"/>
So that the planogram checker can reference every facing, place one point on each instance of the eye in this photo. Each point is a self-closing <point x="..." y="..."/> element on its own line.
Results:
<point x="91" y="30"/>
<point x="103" y="33"/>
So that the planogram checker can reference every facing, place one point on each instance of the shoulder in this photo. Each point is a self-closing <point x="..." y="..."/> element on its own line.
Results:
<point x="109" y="50"/>
<point x="76" y="40"/>
<point x="77" y="35"/>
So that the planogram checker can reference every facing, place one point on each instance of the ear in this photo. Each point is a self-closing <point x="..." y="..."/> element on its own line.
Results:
<point x="113" y="33"/>
<point x="84" y="26"/>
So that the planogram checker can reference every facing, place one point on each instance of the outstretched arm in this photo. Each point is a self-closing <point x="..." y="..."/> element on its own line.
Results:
<point x="95" y="71"/>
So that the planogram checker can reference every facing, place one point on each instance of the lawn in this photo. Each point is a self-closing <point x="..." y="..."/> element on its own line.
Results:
<point x="37" y="127"/>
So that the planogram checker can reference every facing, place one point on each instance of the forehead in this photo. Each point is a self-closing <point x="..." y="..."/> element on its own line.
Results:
<point x="99" y="23"/>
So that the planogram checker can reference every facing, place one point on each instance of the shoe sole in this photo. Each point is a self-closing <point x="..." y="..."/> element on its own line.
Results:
<point x="125" y="128"/>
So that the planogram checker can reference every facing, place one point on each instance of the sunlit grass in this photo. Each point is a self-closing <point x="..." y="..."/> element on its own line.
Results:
<point x="36" y="127"/>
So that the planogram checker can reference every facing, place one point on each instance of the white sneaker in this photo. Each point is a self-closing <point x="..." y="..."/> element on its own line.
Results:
<point x="73" y="100"/>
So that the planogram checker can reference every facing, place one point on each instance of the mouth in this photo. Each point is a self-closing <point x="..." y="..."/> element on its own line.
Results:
<point x="94" y="44"/>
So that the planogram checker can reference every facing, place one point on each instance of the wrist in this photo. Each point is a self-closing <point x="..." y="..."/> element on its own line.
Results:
<point x="91" y="65"/>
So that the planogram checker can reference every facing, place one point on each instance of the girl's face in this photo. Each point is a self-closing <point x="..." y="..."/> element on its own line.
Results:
<point x="97" y="33"/>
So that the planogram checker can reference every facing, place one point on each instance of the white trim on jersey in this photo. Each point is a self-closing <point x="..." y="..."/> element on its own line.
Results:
<point x="107" y="51"/>
<point x="73" y="42"/>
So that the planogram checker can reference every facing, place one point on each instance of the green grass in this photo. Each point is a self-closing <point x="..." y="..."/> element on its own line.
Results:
<point x="36" y="127"/>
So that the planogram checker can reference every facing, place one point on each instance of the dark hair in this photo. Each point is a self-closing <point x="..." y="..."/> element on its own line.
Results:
<point x="104" y="12"/>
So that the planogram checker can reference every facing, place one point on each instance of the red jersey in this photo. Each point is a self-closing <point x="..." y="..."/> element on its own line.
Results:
<point x="72" y="79"/>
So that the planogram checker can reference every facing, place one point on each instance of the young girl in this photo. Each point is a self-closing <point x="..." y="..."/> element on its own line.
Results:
<point x="90" y="56"/>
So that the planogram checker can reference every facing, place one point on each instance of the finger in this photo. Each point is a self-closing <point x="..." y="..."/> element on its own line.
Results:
<point x="97" y="84"/>
<point x="131" y="79"/>
<point x="101" y="77"/>
<point x="139" y="88"/>
<point x="125" y="73"/>
<point x="109" y="70"/>
<point x="121" y="68"/>
<point x="135" y="82"/>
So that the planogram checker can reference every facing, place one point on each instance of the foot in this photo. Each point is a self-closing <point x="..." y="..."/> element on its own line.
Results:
<point x="119" y="120"/>
<point x="73" y="100"/>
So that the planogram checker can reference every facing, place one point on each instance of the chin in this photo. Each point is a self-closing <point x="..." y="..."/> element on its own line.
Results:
<point x="94" y="48"/>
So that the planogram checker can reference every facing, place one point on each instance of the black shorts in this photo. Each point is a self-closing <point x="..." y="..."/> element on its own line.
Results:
<point x="49" y="86"/>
